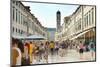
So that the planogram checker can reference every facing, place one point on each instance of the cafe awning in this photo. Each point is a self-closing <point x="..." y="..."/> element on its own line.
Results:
<point x="79" y="35"/>
<point x="31" y="37"/>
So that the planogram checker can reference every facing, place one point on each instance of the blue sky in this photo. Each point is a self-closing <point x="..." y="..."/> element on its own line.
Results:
<point x="46" y="13"/>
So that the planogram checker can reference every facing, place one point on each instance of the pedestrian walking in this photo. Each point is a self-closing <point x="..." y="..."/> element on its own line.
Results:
<point x="41" y="51"/>
<point x="34" y="50"/>
<point x="37" y="53"/>
<point x="26" y="56"/>
<point x="21" y="47"/>
<point x="31" y="51"/>
<point x="16" y="53"/>
<point x="46" y="51"/>
<point x="60" y="52"/>
<point x="81" y="50"/>
<point x="87" y="48"/>
<point x="56" y="47"/>
<point x="92" y="48"/>
<point x="63" y="46"/>
<point x="52" y="46"/>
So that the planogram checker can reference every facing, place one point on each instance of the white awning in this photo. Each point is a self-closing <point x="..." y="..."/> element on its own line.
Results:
<point x="31" y="37"/>
<point x="18" y="36"/>
<point x="36" y="37"/>
<point x="79" y="35"/>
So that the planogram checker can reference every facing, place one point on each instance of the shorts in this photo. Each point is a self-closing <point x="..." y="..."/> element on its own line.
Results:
<point x="81" y="51"/>
<point x="52" y="49"/>
<point x="56" y="49"/>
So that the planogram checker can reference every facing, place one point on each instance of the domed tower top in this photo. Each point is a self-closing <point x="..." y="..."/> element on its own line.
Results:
<point x="58" y="12"/>
<point x="58" y="19"/>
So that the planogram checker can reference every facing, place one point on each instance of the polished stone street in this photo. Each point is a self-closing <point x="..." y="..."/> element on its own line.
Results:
<point x="70" y="56"/>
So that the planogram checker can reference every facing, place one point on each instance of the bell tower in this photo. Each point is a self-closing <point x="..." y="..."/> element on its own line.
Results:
<point x="58" y="19"/>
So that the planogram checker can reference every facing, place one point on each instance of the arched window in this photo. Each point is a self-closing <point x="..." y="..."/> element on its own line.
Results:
<point x="16" y="30"/>
<point x="13" y="29"/>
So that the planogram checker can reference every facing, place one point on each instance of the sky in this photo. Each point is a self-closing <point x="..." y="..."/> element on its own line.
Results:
<point x="46" y="13"/>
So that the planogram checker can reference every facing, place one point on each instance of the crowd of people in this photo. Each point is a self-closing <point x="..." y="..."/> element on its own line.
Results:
<point x="29" y="52"/>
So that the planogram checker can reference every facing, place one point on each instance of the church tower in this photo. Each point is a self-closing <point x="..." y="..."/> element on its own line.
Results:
<point x="58" y="19"/>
